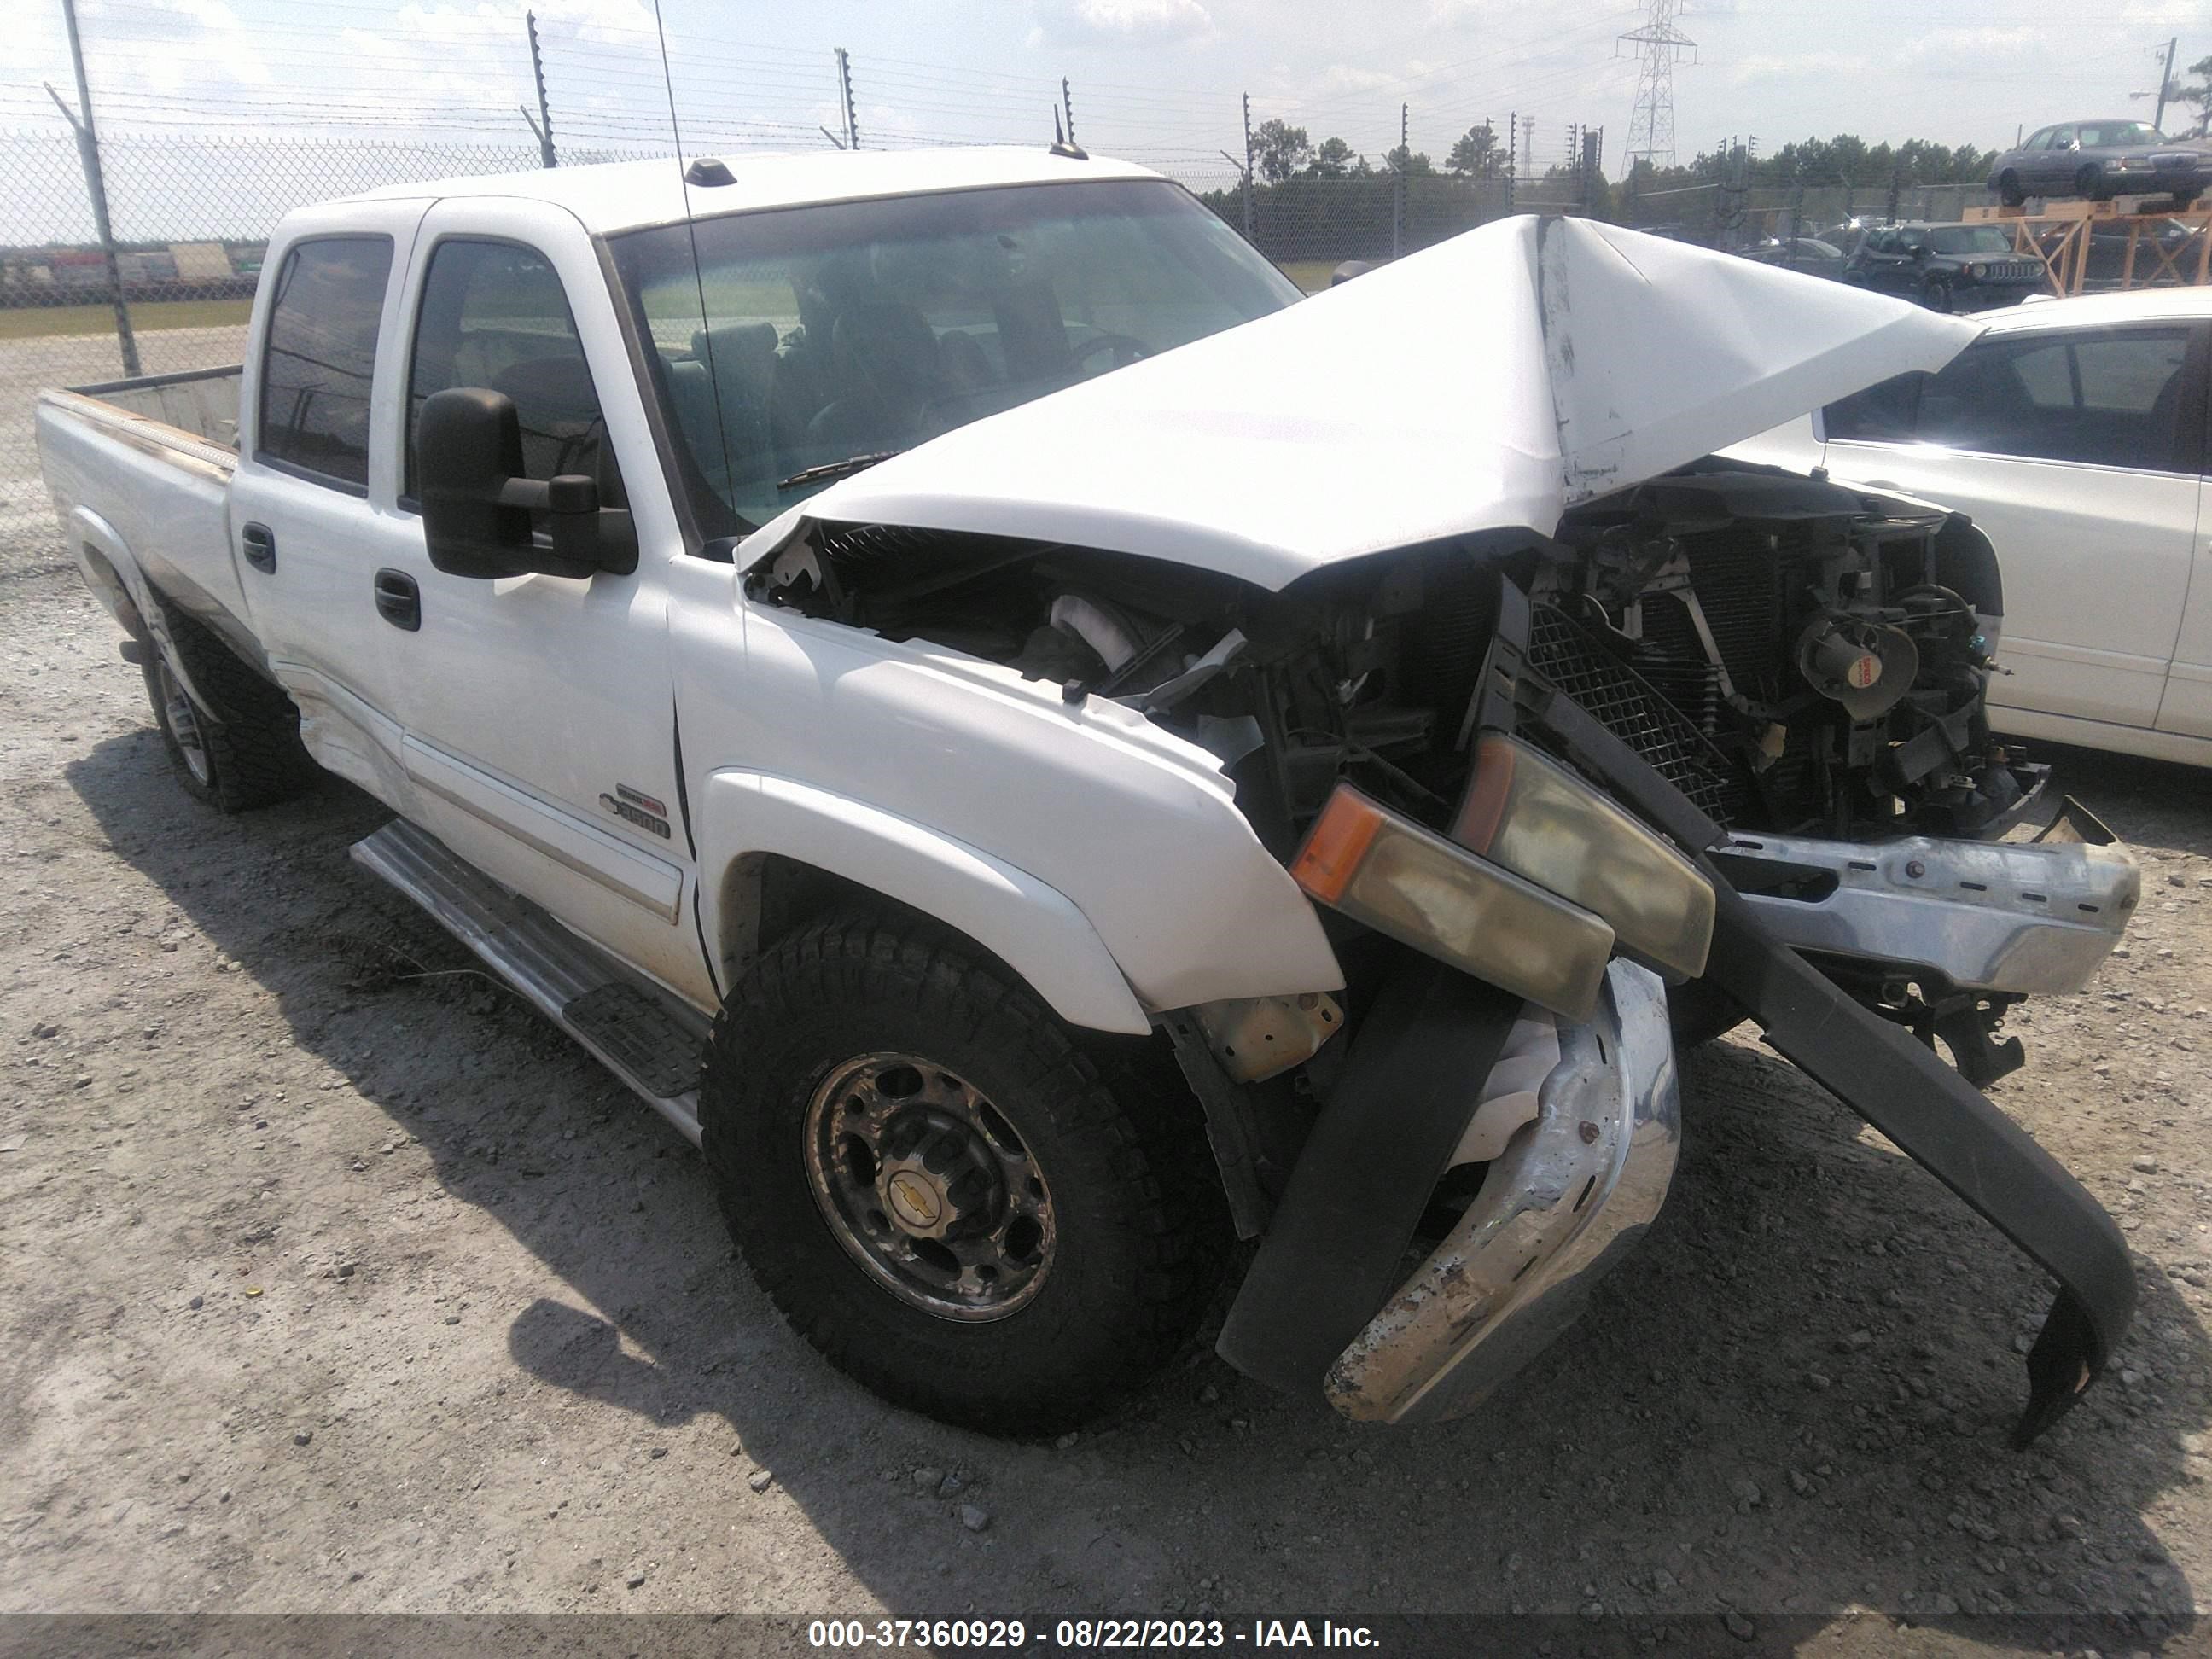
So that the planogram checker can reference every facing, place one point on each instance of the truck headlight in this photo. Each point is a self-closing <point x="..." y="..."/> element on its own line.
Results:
<point x="1541" y="878"/>
<point x="1526" y="811"/>
<point x="1403" y="880"/>
<point x="1978" y="271"/>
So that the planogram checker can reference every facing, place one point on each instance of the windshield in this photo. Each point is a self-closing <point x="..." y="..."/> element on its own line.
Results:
<point x="856" y="329"/>
<point x="1970" y="239"/>
<point x="2118" y="135"/>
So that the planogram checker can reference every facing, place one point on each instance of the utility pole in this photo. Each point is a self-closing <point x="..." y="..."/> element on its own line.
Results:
<point x="1659" y="45"/>
<point x="95" y="185"/>
<point x="1512" y="154"/>
<point x="544" y="125"/>
<point x="845" y="93"/>
<point x="1247" y="167"/>
<point x="2164" y="80"/>
<point x="1067" y="106"/>
<point x="1398" y="194"/>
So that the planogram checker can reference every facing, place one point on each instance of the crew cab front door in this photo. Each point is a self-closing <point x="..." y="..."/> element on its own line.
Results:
<point x="539" y="712"/>
<point x="2072" y="450"/>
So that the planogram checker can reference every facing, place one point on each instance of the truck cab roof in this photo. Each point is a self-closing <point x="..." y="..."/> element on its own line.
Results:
<point x="620" y="196"/>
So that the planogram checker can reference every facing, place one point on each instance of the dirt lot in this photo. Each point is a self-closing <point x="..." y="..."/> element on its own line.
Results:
<point x="337" y="1281"/>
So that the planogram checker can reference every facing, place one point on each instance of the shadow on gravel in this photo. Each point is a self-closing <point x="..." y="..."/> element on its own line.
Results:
<point x="1793" y="1400"/>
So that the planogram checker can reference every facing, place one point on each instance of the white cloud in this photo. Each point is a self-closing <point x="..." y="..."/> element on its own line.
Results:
<point x="1156" y="21"/>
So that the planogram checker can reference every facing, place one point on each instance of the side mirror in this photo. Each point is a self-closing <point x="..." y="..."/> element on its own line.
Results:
<point x="476" y="504"/>
<point x="1918" y="250"/>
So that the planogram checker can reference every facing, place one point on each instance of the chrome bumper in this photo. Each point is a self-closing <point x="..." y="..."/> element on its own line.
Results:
<point x="2022" y="917"/>
<point x="1579" y="1163"/>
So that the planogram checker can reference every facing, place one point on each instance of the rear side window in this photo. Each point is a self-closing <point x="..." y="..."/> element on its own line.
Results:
<point x="319" y="355"/>
<point x="494" y="315"/>
<point x="2110" y="399"/>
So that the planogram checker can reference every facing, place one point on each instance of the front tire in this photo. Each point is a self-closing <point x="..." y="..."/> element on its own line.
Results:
<point x="956" y="1202"/>
<point x="1936" y="294"/>
<point x="2008" y="189"/>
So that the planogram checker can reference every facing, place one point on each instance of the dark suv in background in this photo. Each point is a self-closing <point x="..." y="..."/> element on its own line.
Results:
<point x="1947" y="267"/>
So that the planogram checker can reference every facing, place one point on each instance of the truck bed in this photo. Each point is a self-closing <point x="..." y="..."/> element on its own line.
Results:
<point x="140" y="471"/>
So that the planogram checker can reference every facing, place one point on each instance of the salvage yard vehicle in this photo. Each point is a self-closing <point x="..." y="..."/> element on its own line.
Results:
<point x="1968" y="267"/>
<point x="1046" y="753"/>
<point x="2073" y="432"/>
<point x="2100" y="160"/>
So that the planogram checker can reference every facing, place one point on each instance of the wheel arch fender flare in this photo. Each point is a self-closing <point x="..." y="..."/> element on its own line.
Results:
<point x="111" y="571"/>
<point x="1033" y="927"/>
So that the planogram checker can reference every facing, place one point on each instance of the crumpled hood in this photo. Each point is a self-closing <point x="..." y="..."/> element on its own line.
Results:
<point x="1491" y="382"/>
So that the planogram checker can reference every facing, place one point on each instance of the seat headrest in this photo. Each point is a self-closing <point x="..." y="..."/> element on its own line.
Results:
<point x="742" y="347"/>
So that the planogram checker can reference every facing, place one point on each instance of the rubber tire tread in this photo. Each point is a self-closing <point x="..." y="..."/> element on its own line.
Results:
<point x="249" y="728"/>
<point x="1143" y="1230"/>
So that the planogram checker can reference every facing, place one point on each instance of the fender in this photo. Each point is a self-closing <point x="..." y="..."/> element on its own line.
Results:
<point x="1034" y="928"/>
<point x="118" y="582"/>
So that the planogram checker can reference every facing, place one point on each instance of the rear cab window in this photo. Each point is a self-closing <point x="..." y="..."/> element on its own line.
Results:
<point x="318" y="358"/>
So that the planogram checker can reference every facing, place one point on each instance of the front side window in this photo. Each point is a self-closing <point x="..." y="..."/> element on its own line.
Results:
<point x="494" y="315"/>
<point x="855" y="328"/>
<point x="2109" y="398"/>
<point x="2121" y="135"/>
<point x="320" y="356"/>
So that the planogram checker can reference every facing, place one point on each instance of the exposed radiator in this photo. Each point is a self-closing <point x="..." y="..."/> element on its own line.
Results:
<point x="1627" y="705"/>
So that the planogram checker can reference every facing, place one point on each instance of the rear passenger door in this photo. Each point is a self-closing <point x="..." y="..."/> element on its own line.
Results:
<point x="2075" y="452"/>
<point x="314" y="453"/>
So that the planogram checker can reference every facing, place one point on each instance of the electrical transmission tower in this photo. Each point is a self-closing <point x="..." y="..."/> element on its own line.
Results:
<point x="1659" y="45"/>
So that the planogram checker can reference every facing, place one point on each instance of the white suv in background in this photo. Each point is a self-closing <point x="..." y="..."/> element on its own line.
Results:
<point x="2073" y="432"/>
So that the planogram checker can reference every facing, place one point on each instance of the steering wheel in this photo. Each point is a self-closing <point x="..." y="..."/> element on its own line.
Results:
<point x="1126" y="349"/>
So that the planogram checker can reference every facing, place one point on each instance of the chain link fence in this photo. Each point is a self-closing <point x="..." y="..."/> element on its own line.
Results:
<point x="191" y="217"/>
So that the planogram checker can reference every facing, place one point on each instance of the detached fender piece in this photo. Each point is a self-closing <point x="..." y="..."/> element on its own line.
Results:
<point x="1034" y="928"/>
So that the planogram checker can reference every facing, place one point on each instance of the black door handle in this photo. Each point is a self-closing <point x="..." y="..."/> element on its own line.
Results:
<point x="260" y="546"/>
<point x="398" y="601"/>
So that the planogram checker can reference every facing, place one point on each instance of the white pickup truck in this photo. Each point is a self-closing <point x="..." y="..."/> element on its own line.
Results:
<point x="1044" y="752"/>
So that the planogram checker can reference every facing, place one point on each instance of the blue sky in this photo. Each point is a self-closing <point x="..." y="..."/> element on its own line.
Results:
<point x="1155" y="79"/>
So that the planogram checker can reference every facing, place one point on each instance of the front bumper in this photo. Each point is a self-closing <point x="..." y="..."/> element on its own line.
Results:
<point x="2027" y="918"/>
<point x="1567" y="1195"/>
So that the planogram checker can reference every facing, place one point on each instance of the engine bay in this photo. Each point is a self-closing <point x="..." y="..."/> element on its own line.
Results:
<point x="1794" y="656"/>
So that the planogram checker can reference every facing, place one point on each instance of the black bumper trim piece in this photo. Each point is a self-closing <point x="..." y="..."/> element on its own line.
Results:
<point x="1901" y="1087"/>
<point x="1335" y="1247"/>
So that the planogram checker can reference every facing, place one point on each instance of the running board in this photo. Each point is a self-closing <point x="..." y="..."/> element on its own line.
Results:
<point x="645" y="1037"/>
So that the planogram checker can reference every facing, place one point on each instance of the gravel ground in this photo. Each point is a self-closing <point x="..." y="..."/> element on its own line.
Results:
<point x="337" y="1282"/>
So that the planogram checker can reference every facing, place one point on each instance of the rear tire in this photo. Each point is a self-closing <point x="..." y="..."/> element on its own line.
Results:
<point x="239" y="750"/>
<point x="863" y="1050"/>
<point x="2089" y="184"/>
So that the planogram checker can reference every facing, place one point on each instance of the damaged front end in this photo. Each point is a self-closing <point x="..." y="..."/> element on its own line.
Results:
<point x="1579" y="721"/>
<point x="1495" y="1103"/>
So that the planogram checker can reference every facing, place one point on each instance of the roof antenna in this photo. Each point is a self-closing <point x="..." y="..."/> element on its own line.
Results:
<point x="1062" y="144"/>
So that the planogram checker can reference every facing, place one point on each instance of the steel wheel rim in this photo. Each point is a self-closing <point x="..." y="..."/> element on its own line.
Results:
<point x="928" y="1187"/>
<point x="184" y="723"/>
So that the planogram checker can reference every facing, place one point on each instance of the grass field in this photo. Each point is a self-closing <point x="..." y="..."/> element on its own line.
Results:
<point x="43" y="322"/>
